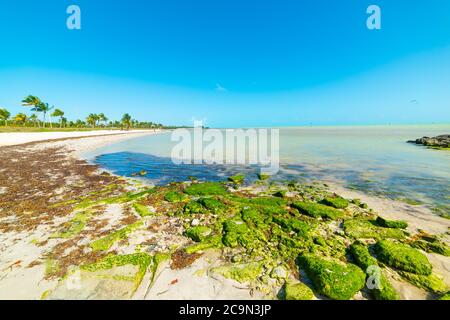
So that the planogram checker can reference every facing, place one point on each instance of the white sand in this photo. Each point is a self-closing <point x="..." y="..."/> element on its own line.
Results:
<point x="15" y="138"/>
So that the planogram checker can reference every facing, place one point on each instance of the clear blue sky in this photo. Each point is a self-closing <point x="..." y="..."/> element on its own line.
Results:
<point x="232" y="63"/>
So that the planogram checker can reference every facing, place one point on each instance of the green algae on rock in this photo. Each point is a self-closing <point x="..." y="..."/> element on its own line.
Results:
<point x="297" y="291"/>
<point x="142" y="210"/>
<point x="174" y="196"/>
<point x="432" y="247"/>
<point x="403" y="257"/>
<point x="198" y="233"/>
<point x="237" y="179"/>
<point x="193" y="207"/>
<point x="365" y="261"/>
<point x="335" y="202"/>
<point x="213" y="205"/>
<point x="333" y="278"/>
<point x="105" y="243"/>
<point x="317" y="210"/>
<point x="360" y="228"/>
<point x="205" y="189"/>
<point x="396" y="224"/>
<point x="141" y="260"/>
<point x="242" y="273"/>
<point x="430" y="282"/>
<point x="74" y="226"/>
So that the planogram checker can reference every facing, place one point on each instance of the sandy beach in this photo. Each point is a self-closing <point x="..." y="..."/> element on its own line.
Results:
<point x="17" y="138"/>
<point x="52" y="212"/>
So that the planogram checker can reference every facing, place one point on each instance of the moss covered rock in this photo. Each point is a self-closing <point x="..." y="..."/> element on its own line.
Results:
<point x="317" y="210"/>
<point x="367" y="229"/>
<point x="430" y="282"/>
<point x="240" y="272"/>
<point x="198" y="233"/>
<point x="193" y="207"/>
<point x="434" y="247"/>
<point x="206" y="189"/>
<point x="333" y="278"/>
<point x="297" y="291"/>
<point x="293" y="224"/>
<point x="403" y="257"/>
<point x="212" y="204"/>
<point x="237" y="179"/>
<point x="235" y="232"/>
<point x="364" y="259"/>
<point x="397" y="224"/>
<point x="335" y="202"/>
<point x="174" y="196"/>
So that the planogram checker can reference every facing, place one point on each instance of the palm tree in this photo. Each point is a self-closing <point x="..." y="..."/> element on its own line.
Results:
<point x="33" y="118"/>
<point x="126" y="120"/>
<point x="58" y="113"/>
<point x="92" y="119"/>
<point x="21" y="118"/>
<point x="45" y="108"/>
<point x="102" y="118"/>
<point x="33" y="101"/>
<point x="63" y="122"/>
<point x="4" y="115"/>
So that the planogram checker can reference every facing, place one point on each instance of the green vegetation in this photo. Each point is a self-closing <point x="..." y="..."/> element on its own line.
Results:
<point x="366" y="262"/>
<point x="428" y="282"/>
<point x="142" y="210"/>
<point x="105" y="243"/>
<point x="205" y="189"/>
<point x="174" y="196"/>
<point x="74" y="226"/>
<point x="317" y="210"/>
<point x="236" y="232"/>
<point x="260" y="235"/>
<point x="391" y="223"/>
<point x="367" y="229"/>
<point x="32" y="123"/>
<point x="403" y="257"/>
<point x="433" y="246"/>
<point x="193" y="207"/>
<point x="241" y="273"/>
<point x="213" y="205"/>
<point x="335" y="202"/>
<point x="333" y="278"/>
<point x="238" y="179"/>
<point x="298" y="291"/>
<point x="198" y="233"/>
<point x="141" y="260"/>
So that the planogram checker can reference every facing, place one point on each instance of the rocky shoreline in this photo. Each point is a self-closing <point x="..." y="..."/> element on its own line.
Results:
<point x="71" y="231"/>
<point x="439" y="142"/>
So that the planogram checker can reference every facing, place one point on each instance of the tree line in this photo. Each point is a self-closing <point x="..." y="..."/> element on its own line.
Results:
<point x="43" y="116"/>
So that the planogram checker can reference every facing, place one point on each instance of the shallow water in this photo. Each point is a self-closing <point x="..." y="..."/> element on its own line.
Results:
<point x="374" y="159"/>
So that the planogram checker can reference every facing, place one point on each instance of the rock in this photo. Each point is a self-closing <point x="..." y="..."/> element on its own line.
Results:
<point x="298" y="291"/>
<point x="442" y="141"/>
<point x="195" y="222"/>
<point x="279" y="273"/>
<point x="333" y="278"/>
<point x="403" y="257"/>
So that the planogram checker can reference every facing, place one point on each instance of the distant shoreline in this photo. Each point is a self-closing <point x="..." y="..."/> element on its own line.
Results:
<point x="19" y="138"/>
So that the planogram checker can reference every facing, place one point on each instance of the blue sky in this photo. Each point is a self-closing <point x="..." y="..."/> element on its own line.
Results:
<point x="232" y="63"/>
